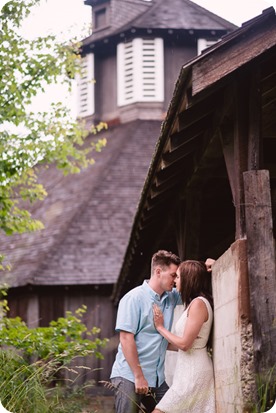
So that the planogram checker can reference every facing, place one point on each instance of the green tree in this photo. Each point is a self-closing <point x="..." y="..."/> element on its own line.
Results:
<point x="28" y="139"/>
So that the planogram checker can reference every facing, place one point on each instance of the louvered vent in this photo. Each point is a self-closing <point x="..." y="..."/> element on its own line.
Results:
<point x="203" y="44"/>
<point x="140" y="69"/>
<point x="85" y="85"/>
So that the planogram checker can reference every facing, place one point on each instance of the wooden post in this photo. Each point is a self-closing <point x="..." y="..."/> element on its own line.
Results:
<point x="254" y="142"/>
<point x="261" y="267"/>
<point x="234" y="139"/>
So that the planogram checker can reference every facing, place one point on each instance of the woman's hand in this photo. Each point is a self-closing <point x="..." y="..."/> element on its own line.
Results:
<point x="157" y="316"/>
<point x="209" y="264"/>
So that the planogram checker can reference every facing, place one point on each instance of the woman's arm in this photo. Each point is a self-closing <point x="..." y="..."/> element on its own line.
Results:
<point x="171" y="347"/>
<point x="198" y="314"/>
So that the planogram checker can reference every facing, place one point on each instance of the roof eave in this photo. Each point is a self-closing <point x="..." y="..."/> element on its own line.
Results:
<point x="185" y="75"/>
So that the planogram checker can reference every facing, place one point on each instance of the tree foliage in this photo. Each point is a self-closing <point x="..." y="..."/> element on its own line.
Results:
<point x="31" y="359"/>
<point x="28" y="139"/>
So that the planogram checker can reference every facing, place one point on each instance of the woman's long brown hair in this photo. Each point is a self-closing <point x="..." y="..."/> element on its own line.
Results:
<point x="195" y="281"/>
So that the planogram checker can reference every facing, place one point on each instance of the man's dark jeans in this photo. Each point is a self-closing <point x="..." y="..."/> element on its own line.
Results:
<point x="127" y="401"/>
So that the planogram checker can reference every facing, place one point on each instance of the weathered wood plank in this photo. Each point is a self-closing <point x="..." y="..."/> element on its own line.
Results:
<point x="182" y="151"/>
<point x="100" y="313"/>
<point x="234" y="139"/>
<point x="191" y="132"/>
<point x="255" y="110"/>
<point x="198" y="110"/>
<point x="213" y="67"/>
<point x="261" y="266"/>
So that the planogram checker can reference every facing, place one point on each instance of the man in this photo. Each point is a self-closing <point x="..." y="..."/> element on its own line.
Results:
<point x="138" y="371"/>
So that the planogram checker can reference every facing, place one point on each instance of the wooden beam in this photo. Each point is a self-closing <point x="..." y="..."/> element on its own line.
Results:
<point x="155" y="206"/>
<point x="234" y="138"/>
<point x="191" y="132"/>
<point x="154" y="200"/>
<point x="245" y="45"/>
<point x="268" y="65"/>
<point x="172" y="170"/>
<point x="182" y="151"/>
<point x="157" y="190"/>
<point x="268" y="85"/>
<point x="227" y="141"/>
<point x="255" y="110"/>
<point x="261" y="266"/>
<point x="198" y="110"/>
<point x="241" y="149"/>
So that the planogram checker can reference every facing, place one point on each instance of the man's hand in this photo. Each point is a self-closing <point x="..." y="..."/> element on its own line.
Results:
<point x="141" y="385"/>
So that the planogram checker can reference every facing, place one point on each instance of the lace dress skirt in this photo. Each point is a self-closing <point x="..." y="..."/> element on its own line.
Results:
<point x="192" y="390"/>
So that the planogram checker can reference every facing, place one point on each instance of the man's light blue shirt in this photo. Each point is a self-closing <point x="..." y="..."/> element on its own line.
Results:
<point x="135" y="315"/>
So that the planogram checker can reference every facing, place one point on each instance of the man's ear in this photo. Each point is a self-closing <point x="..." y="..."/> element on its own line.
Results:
<point x="158" y="270"/>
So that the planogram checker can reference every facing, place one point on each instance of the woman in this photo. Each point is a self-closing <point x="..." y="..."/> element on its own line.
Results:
<point x="192" y="389"/>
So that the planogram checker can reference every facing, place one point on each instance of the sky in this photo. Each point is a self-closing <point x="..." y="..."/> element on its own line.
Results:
<point x="71" y="18"/>
<point x="70" y="14"/>
<point x="236" y="11"/>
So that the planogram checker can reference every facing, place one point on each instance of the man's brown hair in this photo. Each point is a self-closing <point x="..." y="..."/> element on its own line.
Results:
<point x="163" y="259"/>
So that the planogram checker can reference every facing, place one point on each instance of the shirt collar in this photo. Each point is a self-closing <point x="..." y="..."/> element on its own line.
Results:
<point x="153" y="293"/>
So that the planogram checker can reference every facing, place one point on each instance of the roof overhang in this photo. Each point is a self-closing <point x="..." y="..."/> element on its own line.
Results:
<point x="202" y="95"/>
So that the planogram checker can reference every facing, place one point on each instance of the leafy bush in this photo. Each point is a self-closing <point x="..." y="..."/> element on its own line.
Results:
<point x="63" y="339"/>
<point x="31" y="359"/>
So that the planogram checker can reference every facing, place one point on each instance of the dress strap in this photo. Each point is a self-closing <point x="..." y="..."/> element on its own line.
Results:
<point x="208" y="305"/>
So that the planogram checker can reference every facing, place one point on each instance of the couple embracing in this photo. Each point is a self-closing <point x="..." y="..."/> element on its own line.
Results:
<point x="144" y="321"/>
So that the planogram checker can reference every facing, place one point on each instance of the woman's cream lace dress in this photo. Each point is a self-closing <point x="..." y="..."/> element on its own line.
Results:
<point x="192" y="390"/>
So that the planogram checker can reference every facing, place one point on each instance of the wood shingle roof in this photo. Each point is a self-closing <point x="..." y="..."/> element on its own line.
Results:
<point x="87" y="216"/>
<point x="180" y="14"/>
<point x="160" y="14"/>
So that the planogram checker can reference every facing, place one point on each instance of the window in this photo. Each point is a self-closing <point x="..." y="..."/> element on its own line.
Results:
<point x="85" y="86"/>
<point x="100" y="19"/>
<point x="203" y="44"/>
<point x="140" y="71"/>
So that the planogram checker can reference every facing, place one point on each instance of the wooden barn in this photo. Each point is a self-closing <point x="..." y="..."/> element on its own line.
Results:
<point x="134" y="53"/>
<point x="211" y="192"/>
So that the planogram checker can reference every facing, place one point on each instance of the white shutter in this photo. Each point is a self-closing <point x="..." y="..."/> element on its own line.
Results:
<point x="85" y="87"/>
<point x="140" y="71"/>
<point x="125" y="73"/>
<point x="153" y="70"/>
<point x="203" y="44"/>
